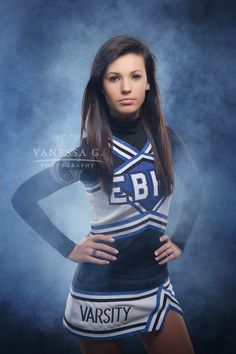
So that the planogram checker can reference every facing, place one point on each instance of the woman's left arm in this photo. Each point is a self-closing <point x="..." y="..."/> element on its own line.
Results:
<point x="191" y="180"/>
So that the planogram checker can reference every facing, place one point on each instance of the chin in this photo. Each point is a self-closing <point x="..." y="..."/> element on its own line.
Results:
<point x="128" y="111"/>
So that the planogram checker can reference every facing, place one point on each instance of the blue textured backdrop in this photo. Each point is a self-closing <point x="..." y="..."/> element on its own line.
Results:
<point x="46" y="51"/>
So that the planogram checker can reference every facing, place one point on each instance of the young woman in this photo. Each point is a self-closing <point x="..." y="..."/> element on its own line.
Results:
<point x="126" y="161"/>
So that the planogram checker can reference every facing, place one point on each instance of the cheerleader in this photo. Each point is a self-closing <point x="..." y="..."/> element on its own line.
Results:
<point x="126" y="160"/>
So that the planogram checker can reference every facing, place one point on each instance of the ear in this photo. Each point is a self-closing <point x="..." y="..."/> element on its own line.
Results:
<point x="148" y="87"/>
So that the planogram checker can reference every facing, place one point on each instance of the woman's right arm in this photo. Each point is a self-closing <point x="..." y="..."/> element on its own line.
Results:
<point x="26" y="197"/>
<point x="25" y="201"/>
<point x="67" y="170"/>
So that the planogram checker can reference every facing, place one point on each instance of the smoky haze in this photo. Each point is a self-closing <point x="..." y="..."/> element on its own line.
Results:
<point x="47" y="48"/>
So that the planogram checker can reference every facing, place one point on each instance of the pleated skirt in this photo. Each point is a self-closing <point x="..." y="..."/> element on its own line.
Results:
<point x="112" y="315"/>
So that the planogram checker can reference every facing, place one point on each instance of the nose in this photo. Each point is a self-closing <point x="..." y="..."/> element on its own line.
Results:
<point x="125" y="86"/>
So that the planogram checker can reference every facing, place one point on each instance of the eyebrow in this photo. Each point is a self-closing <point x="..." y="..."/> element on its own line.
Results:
<point x="113" y="72"/>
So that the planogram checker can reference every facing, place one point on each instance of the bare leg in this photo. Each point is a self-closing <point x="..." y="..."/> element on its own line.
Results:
<point x="172" y="339"/>
<point x="101" y="347"/>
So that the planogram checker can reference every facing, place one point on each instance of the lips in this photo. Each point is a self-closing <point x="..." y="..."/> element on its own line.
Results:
<point x="127" y="100"/>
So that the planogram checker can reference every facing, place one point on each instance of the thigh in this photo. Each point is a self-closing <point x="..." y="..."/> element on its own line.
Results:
<point x="101" y="347"/>
<point x="173" y="338"/>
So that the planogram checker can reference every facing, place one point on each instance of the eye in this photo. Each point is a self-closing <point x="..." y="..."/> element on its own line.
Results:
<point x="136" y="76"/>
<point x="113" y="78"/>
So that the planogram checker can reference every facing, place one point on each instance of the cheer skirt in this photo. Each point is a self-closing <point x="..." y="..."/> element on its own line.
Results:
<point x="110" y="315"/>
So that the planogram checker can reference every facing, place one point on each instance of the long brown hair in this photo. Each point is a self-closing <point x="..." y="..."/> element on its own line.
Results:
<point x="95" y="113"/>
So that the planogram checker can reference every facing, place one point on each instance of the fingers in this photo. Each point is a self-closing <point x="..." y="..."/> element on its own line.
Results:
<point x="166" y="252"/>
<point x="96" y="253"/>
<point x="166" y="258"/>
<point x="102" y="237"/>
<point x="96" y="261"/>
<point x="101" y="246"/>
<point x="165" y="247"/>
<point x="96" y="250"/>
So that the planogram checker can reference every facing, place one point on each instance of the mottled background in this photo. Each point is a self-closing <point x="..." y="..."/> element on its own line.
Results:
<point x="46" y="51"/>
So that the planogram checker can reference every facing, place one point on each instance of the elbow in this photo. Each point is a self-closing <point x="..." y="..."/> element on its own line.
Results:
<point x="21" y="201"/>
<point x="16" y="200"/>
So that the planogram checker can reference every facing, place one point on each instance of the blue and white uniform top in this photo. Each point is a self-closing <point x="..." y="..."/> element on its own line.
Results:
<point x="135" y="203"/>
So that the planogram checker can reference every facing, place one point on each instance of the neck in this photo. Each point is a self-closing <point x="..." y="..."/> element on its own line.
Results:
<point x="124" y="124"/>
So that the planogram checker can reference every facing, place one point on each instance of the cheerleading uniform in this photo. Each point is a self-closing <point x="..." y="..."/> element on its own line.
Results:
<point x="132" y="294"/>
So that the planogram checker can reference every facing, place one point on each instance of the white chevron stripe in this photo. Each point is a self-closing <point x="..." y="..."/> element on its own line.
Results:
<point x="140" y="207"/>
<point x="148" y="148"/>
<point x="128" y="224"/>
<point x="127" y="232"/>
<point x="134" y="161"/>
<point x="157" y="204"/>
<point x="123" y="146"/>
<point x="168" y="302"/>
<point x="122" y="153"/>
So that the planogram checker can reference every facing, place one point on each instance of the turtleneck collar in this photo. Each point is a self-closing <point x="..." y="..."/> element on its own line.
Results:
<point x="124" y="125"/>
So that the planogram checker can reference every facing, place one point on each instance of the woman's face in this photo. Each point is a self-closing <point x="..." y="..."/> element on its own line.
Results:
<point x="124" y="85"/>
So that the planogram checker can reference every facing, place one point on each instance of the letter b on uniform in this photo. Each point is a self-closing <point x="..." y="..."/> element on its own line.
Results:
<point x="140" y="186"/>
